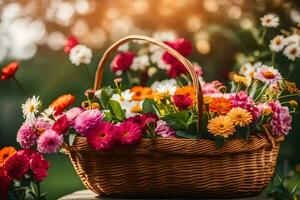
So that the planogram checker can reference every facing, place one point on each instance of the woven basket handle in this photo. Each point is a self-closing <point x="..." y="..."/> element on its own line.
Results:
<point x="187" y="64"/>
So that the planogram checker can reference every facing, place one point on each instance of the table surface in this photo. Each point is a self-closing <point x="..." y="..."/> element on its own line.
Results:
<point x="89" y="195"/>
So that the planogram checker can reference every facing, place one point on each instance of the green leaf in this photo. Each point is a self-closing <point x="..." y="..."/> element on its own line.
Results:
<point x="177" y="121"/>
<point x="108" y="116"/>
<point x="219" y="141"/>
<point x="149" y="106"/>
<point x="106" y="94"/>
<point x="185" y="135"/>
<point x="116" y="110"/>
<point x="72" y="138"/>
<point x="243" y="132"/>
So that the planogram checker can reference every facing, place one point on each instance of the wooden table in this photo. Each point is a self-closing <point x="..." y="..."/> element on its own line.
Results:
<point x="89" y="195"/>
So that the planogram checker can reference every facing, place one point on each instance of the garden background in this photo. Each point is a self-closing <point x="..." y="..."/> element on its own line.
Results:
<point x="34" y="32"/>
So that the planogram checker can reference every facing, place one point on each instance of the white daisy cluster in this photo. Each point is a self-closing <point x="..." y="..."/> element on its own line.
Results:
<point x="167" y="87"/>
<point x="31" y="107"/>
<point x="80" y="54"/>
<point x="126" y="102"/>
<point x="290" y="45"/>
<point x="248" y="69"/>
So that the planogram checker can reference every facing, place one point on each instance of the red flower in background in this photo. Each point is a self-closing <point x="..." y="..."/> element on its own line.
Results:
<point x="39" y="167"/>
<point x="62" y="103"/>
<point x="184" y="47"/>
<point x="16" y="166"/>
<point x="70" y="43"/>
<point x="9" y="71"/>
<point x="61" y="126"/>
<point x="5" y="182"/>
<point x="182" y="101"/>
<point x="122" y="61"/>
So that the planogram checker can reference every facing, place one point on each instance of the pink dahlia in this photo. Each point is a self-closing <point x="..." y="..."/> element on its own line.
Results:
<point x="210" y="88"/>
<point x="122" y="61"/>
<point x="102" y="136"/>
<point x="41" y="125"/>
<point x="144" y="120"/>
<point x="26" y="135"/>
<point x="61" y="126"/>
<point x="5" y="183"/>
<point x="242" y="100"/>
<point x="267" y="74"/>
<point x="72" y="114"/>
<point x="49" y="141"/>
<point x="198" y="70"/>
<point x="182" y="101"/>
<point x="87" y="119"/>
<point x="164" y="130"/>
<point x="39" y="167"/>
<point x="16" y="166"/>
<point x="281" y="119"/>
<point x="128" y="132"/>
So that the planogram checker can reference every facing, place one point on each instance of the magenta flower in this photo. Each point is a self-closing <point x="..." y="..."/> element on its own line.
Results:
<point x="16" y="166"/>
<point x="61" y="126"/>
<point x="122" y="61"/>
<point x="268" y="75"/>
<point x="102" y="136"/>
<point x="281" y="119"/>
<point x="72" y="114"/>
<point x="164" y="130"/>
<point x="39" y="167"/>
<point x="242" y="100"/>
<point x="128" y="132"/>
<point x="26" y="135"/>
<point x="183" y="102"/>
<point x="87" y="119"/>
<point x="49" y="141"/>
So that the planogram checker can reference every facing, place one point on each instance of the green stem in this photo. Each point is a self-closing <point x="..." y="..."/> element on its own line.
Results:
<point x="261" y="92"/>
<point x="273" y="58"/>
<point x="285" y="96"/>
<point x="263" y="35"/>
<point x="20" y="86"/>
<point x="38" y="189"/>
<point x="291" y="69"/>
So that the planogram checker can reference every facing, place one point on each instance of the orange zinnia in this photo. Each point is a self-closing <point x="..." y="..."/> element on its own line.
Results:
<point x="220" y="105"/>
<point x="189" y="91"/>
<point x="141" y="93"/>
<point x="9" y="71"/>
<point x="62" y="102"/>
<point x="5" y="153"/>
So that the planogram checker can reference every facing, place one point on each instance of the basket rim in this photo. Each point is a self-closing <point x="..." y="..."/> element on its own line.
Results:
<point x="179" y="146"/>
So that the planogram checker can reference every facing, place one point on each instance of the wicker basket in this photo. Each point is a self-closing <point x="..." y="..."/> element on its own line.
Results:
<point x="176" y="167"/>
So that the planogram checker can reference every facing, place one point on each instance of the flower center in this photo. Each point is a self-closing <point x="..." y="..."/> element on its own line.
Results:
<point x="102" y="135"/>
<point x="221" y="125"/>
<point x="293" y="51"/>
<point x="239" y="116"/>
<point x="31" y="108"/>
<point x="268" y="74"/>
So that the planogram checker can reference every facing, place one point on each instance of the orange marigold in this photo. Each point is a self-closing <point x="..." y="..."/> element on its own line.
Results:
<point x="5" y="153"/>
<point x="189" y="91"/>
<point x="9" y="71"/>
<point x="220" y="105"/>
<point x="141" y="93"/>
<point x="62" y="103"/>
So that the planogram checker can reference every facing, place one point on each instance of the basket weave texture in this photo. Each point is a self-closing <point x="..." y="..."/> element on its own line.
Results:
<point x="177" y="167"/>
<point x="172" y="167"/>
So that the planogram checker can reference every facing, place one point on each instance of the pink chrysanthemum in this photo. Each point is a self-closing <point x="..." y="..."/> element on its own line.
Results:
<point x="26" y="135"/>
<point x="242" y="100"/>
<point x="72" y="114"/>
<point x="102" y="136"/>
<point x="164" y="130"/>
<point x="61" y="126"/>
<point x="281" y="119"/>
<point x="210" y="88"/>
<point x="267" y="74"/>
<point x="41" y="125"/>
<point x="87" y="119"/>
<point x="49" y="141"/>
<point x="128" y="132"/>
<point x="16" y="166"/>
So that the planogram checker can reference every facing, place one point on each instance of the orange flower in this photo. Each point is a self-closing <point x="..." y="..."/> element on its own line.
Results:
<point x="220" y="105"/>
<point x="9" y="71"/>
<point x="5" y="153"/>
<point x="189" y="91"/>
<point x="141" y="93"/>
<point x="62" y="102"/>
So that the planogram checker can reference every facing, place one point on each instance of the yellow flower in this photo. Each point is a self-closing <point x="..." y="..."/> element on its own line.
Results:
<point x="221" y="126"/>
<point x="207" y="99"/>
<point x="240" y="79"/>
<point x="240" y="116"/>
<point x="293" y="103"/>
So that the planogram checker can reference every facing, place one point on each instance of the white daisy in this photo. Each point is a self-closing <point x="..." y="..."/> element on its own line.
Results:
<point x="248" y="70"/>
<point x="125" y="96"/>
<point x="47" y="114"/>
<point x="292" y="51"/>
<point x="151" y="71"/>
<point x="31" y="107"/>
<point x="167" y="87"/>
<point x="124" y="47"/>
<point x="292" y="39"/>
<point x="80" y="54"/>
<point x="125" y="102"/>
<point x="270" y="20"/>
<point x="140" y="63"/>
<point x="277" y="43"/>
<point x="268" y="74"/>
